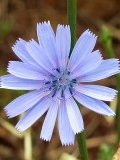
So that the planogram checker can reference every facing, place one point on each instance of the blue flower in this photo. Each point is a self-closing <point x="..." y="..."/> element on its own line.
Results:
<point x="55" y="81"/>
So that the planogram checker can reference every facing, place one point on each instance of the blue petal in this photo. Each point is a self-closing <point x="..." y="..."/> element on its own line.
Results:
<point x="74" y="115"/>
<point x="20" y="50"/>
<point x="66" y="133"/>
<point x="91" y="62"/>
<point x="83" y="47"/>
<point x="33" y="114"/>
<point x="46" y="38"/>
<point x="11" y="82"/>
<point x="22" y="70"/>
<point x="106" y="69"/>
<point x="93" y="104"/>
<point x="22" y="103"/>
<point x="49" y="122"/>
<point x="96" y="91"/>
<point x="63" y="42"/>
<point x="37" y="52"/>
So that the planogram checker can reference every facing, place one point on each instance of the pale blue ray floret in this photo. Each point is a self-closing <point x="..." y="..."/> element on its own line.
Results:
<point x="56" y="81"/>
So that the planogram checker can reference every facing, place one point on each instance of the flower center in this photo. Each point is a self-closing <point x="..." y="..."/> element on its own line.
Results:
<point x="64" y="79"/>
<point x="57" y="85"/>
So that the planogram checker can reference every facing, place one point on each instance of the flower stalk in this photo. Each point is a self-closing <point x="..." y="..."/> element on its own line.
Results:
<point x="82" y="146"/>
<point x="28" y="145"/>
<point x="72" y="14"/>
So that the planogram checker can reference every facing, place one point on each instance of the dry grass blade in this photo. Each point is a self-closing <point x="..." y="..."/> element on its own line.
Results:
<point x="97" y="141"/>
<point x="9" y="127"/>
<point x="117" y="155"/>
<point x="66" y="156"/>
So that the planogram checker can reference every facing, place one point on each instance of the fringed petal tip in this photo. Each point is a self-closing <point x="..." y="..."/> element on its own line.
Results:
<point x="99" y="53"/>
<point x="43" y="23"/>
<point x="19" y="129"/>
<point x="2" y="85"/>
<point x="48" y="23"/>
<point x="117" y="63"/>
<point x="63" y="143"/>
<point x="72" y="142"/>
<point x="82" y="129"/>
<point x="8" y="113"/>
<point x="31" y="41"/>
<point x="78" y="131"/>
<point x="14" y="45"/>
<point x="90" y="33"/>
<point x="9" y="65"/>
<point x="18" y="41"/>
<point x="109" y="114"/>
<point x="0" y="82"/>
<point x="67" y="144"/>
<point x="63" y="26"/>
<point x="115" y="94"/>
<point x="45" y="139"/>
<point x="112" y="114"/>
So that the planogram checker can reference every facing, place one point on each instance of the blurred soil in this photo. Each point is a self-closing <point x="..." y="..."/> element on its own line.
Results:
<point x="21" y="17"/>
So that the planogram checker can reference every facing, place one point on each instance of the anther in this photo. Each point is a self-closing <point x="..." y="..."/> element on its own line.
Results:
<point x="68" y="72"/>
<point x="54" y="81"/>
<point x="57" y="69"/>
<point x="62" y="93"/>
<point x="70" y="89"/>
<point x="74" y="80"/>
<point x="48" y="82"/>
<point x="54" y="92"/>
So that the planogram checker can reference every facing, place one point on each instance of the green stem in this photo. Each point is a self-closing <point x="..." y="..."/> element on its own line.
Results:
<point x="28" y="145"/>
<point x="72" y="12"/>
<point x="82" y="146"/>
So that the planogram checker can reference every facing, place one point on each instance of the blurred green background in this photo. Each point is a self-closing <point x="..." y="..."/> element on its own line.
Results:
<point x="18" y="19"/>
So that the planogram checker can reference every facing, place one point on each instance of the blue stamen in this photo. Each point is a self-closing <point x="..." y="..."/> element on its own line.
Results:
<point x="48" y="82"/>
<point x="57" y="69"/>
<point x="70" y="89"/>
<point x="54" y="92"/>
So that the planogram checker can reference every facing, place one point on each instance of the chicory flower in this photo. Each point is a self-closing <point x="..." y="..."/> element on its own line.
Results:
<point x="56" y="81"/>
